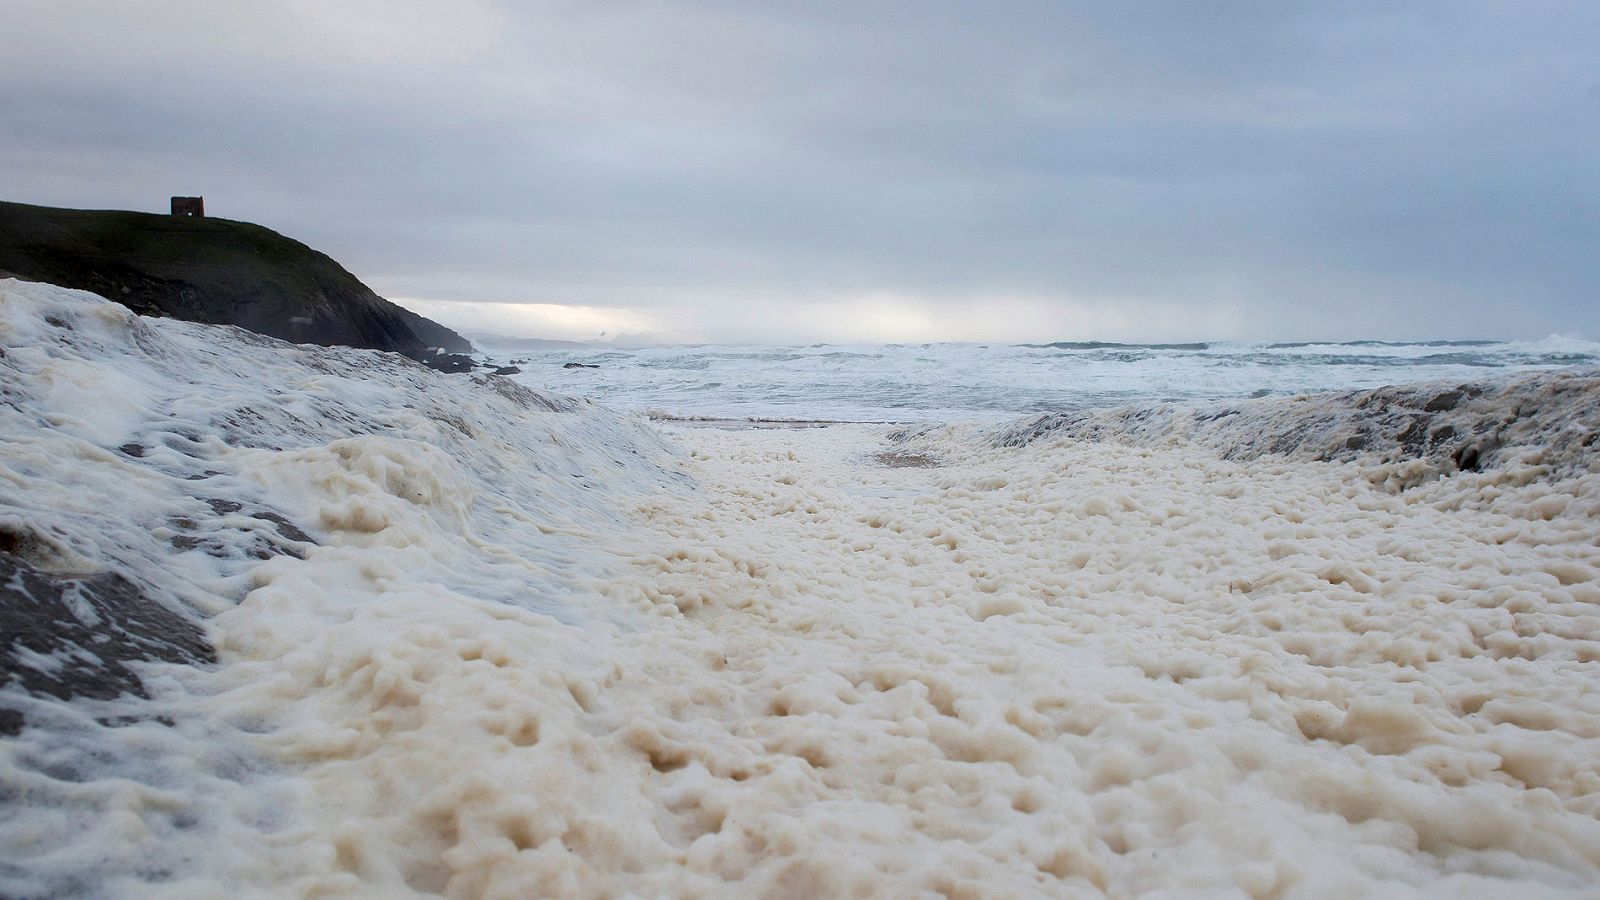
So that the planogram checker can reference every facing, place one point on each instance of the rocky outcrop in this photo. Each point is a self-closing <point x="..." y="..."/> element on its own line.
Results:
<point x="1547" y="419"/>
<point x="218" y="272"/>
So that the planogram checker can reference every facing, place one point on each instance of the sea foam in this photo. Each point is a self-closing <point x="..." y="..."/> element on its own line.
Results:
<point x="478" y="640"/>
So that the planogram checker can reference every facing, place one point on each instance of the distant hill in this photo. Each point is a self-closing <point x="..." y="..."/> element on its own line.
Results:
<point x="490" y="341"/>
<point x="215" y="271"/>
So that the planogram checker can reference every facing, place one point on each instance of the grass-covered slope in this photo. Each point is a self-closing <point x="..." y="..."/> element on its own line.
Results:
<point x="214" y="271"/>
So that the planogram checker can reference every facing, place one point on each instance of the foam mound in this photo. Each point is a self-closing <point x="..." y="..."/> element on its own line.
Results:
<point x="445" y="636"/>
<point x="169" y="486"/>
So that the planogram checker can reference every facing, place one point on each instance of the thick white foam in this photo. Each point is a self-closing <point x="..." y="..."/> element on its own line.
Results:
<point x="1063" y="669"/>
<point x="179" y="456"/>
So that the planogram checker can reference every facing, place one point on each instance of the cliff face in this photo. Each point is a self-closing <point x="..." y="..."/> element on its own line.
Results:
<point x="214" y="271"/>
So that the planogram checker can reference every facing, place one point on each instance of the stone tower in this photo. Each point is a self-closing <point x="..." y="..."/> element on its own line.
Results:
<point x="189" y="206"/>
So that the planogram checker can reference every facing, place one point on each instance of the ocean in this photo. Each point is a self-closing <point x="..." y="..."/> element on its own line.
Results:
<point x="965" y="382"/>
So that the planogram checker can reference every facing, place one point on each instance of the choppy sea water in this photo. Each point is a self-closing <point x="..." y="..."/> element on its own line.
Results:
<point x="953" y="382"/>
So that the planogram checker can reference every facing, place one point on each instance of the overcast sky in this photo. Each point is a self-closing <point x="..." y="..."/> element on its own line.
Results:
<point x="874" y="171"/>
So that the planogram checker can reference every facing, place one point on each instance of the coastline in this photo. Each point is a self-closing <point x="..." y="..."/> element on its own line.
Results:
<point x="517" y="643"/>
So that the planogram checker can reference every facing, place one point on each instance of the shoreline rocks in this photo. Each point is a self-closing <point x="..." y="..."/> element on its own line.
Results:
<point x="1546" y="418"/>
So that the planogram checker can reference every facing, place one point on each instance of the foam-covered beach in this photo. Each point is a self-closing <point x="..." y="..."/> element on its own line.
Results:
<point x="320" y="622"/>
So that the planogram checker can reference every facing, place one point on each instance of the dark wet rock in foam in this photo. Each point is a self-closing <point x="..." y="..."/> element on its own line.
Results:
<point x="1547" y="419"/>
<point x="76" y="636"/>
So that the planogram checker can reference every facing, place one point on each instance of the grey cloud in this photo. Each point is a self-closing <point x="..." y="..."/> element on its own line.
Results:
<point x="1298" y="170"/>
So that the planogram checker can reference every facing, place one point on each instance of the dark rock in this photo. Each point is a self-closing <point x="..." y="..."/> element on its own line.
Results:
<point x="247" y="537"/>
<point x="1413" y="437"/>
<point x="285" y="527"/>
<point x="507" y="370"/>
<point x="578" y="365"/>
<point x="1547" y="418"/>
<point x="219" y="272"/>
<point x="89" y="628"/>
<point x="1444" y="402"/>
<point x="450" y="363"/>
